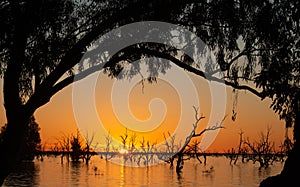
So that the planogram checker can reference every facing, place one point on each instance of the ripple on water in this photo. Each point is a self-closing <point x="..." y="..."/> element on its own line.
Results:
<point x="51" y="172"/>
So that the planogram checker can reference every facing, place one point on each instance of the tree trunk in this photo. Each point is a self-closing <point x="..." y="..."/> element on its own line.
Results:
<point x="289" y="174"/>
<point x="179" y="164"/>
<point x="12" y="145"/>
<point x="16" y="114"/>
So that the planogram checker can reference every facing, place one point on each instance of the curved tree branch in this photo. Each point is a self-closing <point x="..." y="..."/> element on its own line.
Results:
<point x="138" y="51"/>
<point x="167" y="52"/>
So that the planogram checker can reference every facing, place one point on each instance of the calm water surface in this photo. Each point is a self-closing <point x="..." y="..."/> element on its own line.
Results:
<point x="51" y="172"/>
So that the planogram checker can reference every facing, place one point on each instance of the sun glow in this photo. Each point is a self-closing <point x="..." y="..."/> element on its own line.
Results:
<point x="123" y="151"/>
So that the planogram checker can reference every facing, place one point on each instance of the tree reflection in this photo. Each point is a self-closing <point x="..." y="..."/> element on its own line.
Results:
<point x="27" y="174"/>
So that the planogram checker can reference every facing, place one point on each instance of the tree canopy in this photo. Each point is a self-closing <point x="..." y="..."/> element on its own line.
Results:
<point x="253" y="41"/>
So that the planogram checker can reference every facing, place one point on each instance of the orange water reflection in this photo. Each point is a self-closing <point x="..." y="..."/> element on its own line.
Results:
<point x="99" y="172"/>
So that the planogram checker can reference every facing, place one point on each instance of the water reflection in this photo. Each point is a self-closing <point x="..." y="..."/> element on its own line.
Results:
<point x="26" y="174"/>
<point x="75" y="172"/>
<point x="51" y="172"/>
<point x="122" y="172"/>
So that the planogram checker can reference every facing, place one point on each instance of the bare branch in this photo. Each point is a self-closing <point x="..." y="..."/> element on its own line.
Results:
<point x="215" y="127"/>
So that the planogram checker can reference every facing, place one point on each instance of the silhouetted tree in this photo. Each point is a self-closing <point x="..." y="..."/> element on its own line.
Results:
<point x="256" y="44"/>
<point x="242" y="151"/>
<point x="32" y="144"/>
<point x="262" y="151"/>
<point x="65" y="147"/>
<point x="146" y="148"/>
<point x="124" y="139"/>
<point x="193" y="134"/>
<point x="76" y="147"/>
<point x="108" y="146"/>
<point x="88" y="150"/>
<point x="171" y="148"/>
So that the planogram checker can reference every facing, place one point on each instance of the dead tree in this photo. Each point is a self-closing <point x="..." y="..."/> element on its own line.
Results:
<point x="240" y="146"/>
<point x="124" y="138"/>
<point x="108" y="142"/>
<point x="242" y="150"/>
<point x="65" y="147"/>
<point x="76" y="147"/>
<point x="146" y="153"/>
<point x="193" y="150"/>
<point x="171" y="149"/>
<point x="262" y="151"/>
<point x="231" y="154"/>
<point x="132" y="143"/>
<point x="180" y="154"/>
<point x="88" y="151"/>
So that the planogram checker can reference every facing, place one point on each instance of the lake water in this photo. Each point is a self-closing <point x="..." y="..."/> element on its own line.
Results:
<point x="99" y="172"/>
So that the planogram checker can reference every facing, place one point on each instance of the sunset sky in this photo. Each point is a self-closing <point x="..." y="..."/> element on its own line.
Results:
<point x="154" y="103"/>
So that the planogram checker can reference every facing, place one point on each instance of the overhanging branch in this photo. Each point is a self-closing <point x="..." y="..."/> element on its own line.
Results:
<point x="151" y="51"/>
<point x="132" y="53"/>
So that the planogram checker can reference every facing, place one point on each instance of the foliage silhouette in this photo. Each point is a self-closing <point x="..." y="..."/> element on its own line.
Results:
<point x="32" y="144"/>
<point x="76" y="147"/>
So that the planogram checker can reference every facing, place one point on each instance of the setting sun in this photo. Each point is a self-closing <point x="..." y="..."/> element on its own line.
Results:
<point x="123" y="151"/>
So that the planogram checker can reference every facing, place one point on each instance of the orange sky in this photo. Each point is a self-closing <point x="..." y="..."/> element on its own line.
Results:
<point x="253" y="115"/>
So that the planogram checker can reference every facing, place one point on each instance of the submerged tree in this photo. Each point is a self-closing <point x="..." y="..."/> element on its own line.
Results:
<point x="108" y="146"/>
<point x="256" y="44"/>
<point x="184" y="150"/>
<point x="65" y="147"/>
<point x="263" y="151"/>
<point x="89" y="146"/>
<point x="76" y="147"/>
